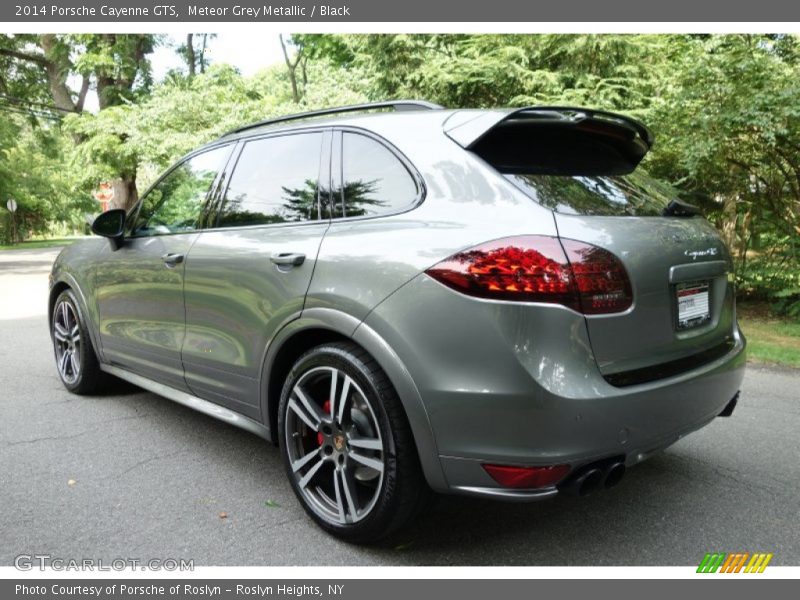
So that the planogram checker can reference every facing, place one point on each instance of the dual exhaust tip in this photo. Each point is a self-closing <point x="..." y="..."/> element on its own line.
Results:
<point x="603" y="474"/>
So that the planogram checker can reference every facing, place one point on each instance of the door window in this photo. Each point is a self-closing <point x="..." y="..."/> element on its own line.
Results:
<point x="175" y="204"/>
<point x="275" y="181"/>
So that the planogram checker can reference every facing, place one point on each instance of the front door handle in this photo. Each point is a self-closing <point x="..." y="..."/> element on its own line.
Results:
<point x="172" y="260"/>
<point x="293" y="259"/>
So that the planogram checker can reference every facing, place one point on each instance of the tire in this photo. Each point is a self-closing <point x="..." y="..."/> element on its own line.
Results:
<point x="331" y="451"/>
<point x="76" y="361"/>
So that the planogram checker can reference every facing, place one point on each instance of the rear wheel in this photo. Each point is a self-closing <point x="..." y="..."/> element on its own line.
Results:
<point x="347" y="446"/>
<point x="76" y="360"/>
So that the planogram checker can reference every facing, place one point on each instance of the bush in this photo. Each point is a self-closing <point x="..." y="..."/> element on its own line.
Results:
<point x="773" y="276"/>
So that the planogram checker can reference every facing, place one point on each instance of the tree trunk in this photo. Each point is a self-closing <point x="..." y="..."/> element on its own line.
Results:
<point x="292" y="67"/>
<point x="57" y="73"/>
<point x="125" y="192"/>
<point x="190" y="58"/>
<point x="203" y="53"/>
<point x="729" y="219"/>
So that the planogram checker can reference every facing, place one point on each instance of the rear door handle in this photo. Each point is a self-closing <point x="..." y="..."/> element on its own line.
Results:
<point x="293" y="259"/>
<point x="172" y="260"/>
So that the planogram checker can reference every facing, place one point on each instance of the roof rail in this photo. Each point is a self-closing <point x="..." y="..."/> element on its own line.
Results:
<point x="397" y="105"/>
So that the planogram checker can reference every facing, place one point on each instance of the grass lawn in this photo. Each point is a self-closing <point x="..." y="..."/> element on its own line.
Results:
<point x="34" y="244"/>
<point x="770" y="339"/>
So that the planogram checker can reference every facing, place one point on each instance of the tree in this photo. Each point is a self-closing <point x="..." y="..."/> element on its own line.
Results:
<point x="34" y="70"/>
<point x="195" y="57"/>
<point x="116" y="64"/>
<point x="731" y="132"/>
<point x="299" y="59"/>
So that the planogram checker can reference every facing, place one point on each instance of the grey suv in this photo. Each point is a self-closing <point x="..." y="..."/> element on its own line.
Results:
<point x="406" y="298"/>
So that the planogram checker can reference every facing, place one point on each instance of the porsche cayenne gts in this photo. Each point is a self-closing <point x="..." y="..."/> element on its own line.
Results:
<point x="408" y="299"/>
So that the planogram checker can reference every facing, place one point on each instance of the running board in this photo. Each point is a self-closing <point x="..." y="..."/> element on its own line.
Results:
<point x="204" y="406"/>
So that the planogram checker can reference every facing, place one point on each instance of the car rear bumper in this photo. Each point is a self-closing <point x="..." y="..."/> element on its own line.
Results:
<point x="512" y="385"/>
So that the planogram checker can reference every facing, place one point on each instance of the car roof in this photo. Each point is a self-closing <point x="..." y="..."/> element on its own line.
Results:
<point x="387" y="119"/>
<point x="464" y="126"/>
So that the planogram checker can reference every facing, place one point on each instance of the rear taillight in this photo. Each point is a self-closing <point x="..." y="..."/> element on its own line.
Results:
<point x="603" y="283"/>
<point x="538" y="268"/>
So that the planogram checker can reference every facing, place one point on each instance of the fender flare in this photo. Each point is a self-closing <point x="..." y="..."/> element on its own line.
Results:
<point x="68" y="280"/>
<point x="354" y="329"/>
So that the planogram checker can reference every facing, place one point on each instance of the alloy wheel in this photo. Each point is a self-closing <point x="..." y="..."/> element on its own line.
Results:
<point x="334" y="445"/>
<point x="67" y="340"/>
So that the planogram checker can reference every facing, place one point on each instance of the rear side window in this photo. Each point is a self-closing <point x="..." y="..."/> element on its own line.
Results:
<point x="611" y="195"/>
<point x="274" y="181"/>
<point x="375" y="181"/>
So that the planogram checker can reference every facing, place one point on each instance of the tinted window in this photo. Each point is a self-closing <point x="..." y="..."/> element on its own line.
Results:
<point x="275" y="181"/>
<point x="634" y="194"/>
<point x="175" y="204"/>
<point x="375" y="181"/>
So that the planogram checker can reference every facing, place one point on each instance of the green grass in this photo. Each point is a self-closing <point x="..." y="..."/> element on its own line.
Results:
<point x="34" y="244"/>
<point x="770" y="340"/>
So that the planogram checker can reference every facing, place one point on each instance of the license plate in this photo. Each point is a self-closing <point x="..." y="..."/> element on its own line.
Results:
<point x="693" y="305"/>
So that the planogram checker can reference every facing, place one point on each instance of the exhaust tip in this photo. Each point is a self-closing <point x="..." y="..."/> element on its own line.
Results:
<point x="582" y="484"/>
<point x="614" y="474"/>
<point x="728" y="410"/>
<point x="591" y="482"/>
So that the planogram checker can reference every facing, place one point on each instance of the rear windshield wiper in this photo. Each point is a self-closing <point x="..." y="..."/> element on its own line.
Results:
<point x="679" y="208"/>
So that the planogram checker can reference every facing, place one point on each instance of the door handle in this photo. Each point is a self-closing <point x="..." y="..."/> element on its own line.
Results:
<point x="172" y="260"/>
<point x="291" y="259"/>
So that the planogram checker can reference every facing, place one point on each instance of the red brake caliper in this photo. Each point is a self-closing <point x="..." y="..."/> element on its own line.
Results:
<point x="327" y="408"/>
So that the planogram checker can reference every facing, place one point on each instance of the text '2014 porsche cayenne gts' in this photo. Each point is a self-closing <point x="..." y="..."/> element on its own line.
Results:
<point x="410" y="299"/>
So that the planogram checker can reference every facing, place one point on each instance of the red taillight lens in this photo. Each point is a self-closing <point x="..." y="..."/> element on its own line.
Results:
<point x="603" y="283"/>
<point x="537" y="269"/>
<point x="526" y="268"/>
<point x="526" y="477"/>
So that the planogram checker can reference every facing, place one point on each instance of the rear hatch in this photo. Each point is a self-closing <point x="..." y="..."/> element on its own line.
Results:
<point x="580" y="163"/>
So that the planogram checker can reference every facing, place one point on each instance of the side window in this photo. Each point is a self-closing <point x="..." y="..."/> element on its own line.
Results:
<point x="275" y="181"/>
<point x="175" y="204"/>
<point x="375" y="181"/>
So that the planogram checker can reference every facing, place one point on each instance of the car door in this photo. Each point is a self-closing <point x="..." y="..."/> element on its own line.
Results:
<point x="139" y="286"/>
<point x="248" y="276"/>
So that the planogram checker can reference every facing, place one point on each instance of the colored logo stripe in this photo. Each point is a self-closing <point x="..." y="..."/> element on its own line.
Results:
<point x="734" y="562"/>
<point x="711" y="562"/>
<point x="758" y="563"/>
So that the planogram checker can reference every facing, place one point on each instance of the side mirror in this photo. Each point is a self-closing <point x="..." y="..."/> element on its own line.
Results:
<point x="111" y="225"/>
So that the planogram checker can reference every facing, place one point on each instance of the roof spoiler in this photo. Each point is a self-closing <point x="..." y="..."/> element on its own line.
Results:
<point x="487" y="131"/>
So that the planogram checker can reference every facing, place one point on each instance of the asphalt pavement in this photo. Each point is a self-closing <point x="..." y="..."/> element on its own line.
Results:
<point x="133" y="475"/>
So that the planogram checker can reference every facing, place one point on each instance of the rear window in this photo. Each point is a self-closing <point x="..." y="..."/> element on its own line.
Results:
<point x="635" y="194"/>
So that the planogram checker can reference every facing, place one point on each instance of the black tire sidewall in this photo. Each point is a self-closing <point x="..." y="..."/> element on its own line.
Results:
<point x="371" y="527"/>
<point x="89" y="368"/>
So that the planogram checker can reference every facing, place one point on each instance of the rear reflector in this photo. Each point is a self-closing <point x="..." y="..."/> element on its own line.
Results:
<point x="526" y="477"/>
<point x="538" y="268"/>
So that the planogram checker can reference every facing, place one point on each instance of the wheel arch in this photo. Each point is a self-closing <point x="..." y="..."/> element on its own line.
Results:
<point x="323" y="325"/>
<point x="55" y="292"/>
<point x="66" y="282"/>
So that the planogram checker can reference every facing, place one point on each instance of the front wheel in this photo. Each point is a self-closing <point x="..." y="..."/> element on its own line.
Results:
<point x="347" y="446"/>
<point x="76" y="361"/>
